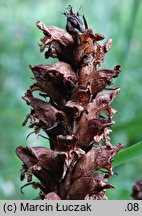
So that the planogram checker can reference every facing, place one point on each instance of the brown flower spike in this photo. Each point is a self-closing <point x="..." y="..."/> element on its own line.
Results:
<point x="73" y="118"/>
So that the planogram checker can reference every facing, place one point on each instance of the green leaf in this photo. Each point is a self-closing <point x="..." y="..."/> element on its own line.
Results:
<point x="132" y="128"/>
<point x="128" y="154"/>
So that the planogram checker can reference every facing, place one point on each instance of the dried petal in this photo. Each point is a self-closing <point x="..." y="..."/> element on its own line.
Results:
<point x="59" y="71"/>
<point x="107" y="45"/>
<point x="86" y="45"/>
<point x="41" y="110"/>
<point x="102" y="103"/>
<point x="53" y="33"/>
<point x="99" y="36"/>
<point x="88" y="186"/>
<point x="81" y="95"/>
<point x="45" y="164"/>
<point x="99" y="79"/>
<point x="60" y="43"/>
<point x="95" y="159"/>
<point x="49" y="77"/>
<point x="100" y="52"/>
<point x="86" y="129"/>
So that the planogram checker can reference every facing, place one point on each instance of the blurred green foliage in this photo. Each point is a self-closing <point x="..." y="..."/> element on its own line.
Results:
<point x="120" y="20"/>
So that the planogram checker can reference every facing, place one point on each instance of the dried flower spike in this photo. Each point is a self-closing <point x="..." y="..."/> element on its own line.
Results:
<point x="73" y="118"/>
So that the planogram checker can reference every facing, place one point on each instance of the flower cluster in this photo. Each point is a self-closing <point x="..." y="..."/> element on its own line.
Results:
<point x="77" y="117"/>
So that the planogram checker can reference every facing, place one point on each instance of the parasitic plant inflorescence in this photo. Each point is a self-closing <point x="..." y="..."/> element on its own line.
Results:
<point x="73" y="118"/>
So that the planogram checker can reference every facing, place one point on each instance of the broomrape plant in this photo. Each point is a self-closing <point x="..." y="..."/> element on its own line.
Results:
<point x="73" y="118"/>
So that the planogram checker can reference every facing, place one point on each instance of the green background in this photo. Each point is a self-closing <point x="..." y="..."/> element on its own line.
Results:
<point x="120" y="20"/>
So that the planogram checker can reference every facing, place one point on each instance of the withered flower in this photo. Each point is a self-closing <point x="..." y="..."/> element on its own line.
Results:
<point x="137" y="190"/>
<point x="73" y="119"/>
<point x="89" y="187"/>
